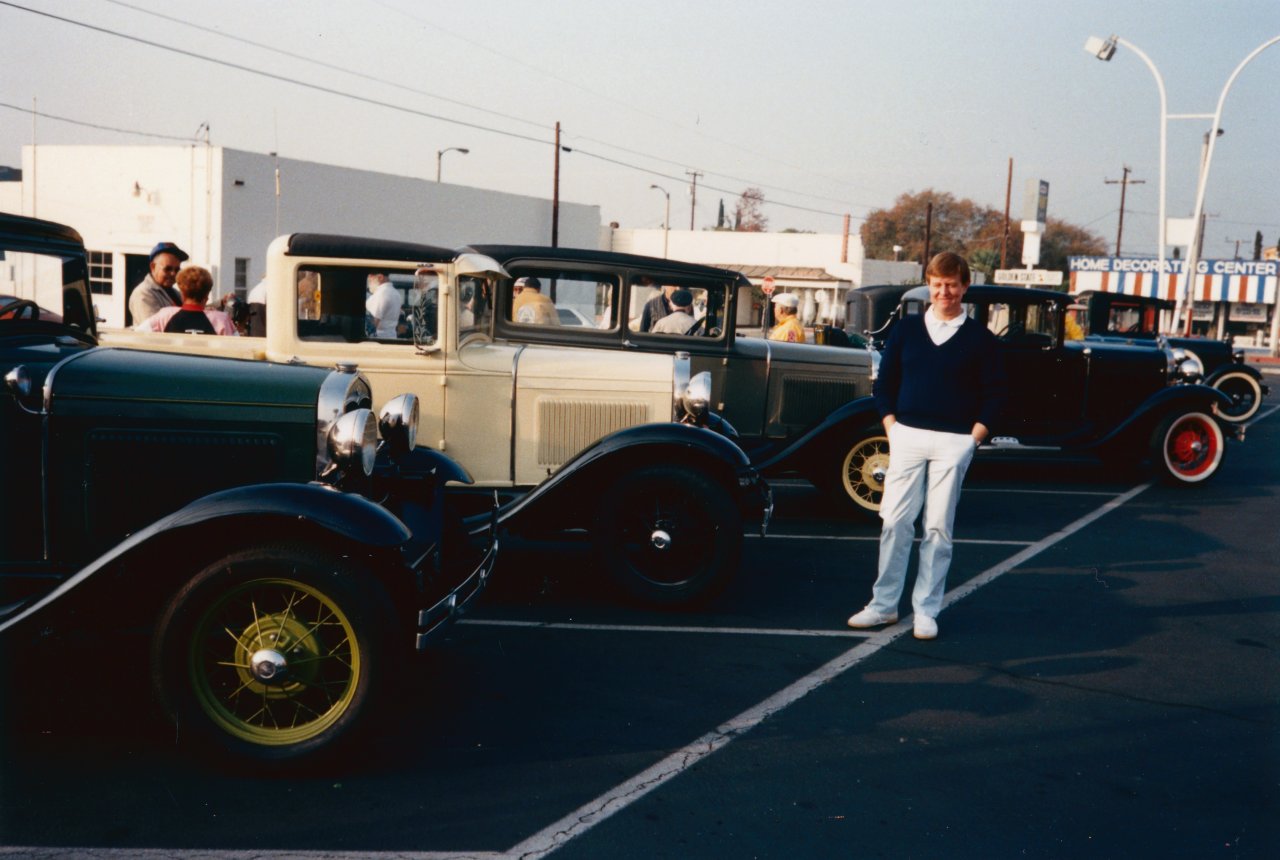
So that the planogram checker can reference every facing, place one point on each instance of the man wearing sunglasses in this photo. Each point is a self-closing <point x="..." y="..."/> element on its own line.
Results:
<point x="156" y="290"/>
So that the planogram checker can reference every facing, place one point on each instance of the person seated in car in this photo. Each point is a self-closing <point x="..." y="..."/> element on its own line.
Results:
<point x="530" y="306"/>
<point x="680" y="320"/>
<point x="192" y="317"/>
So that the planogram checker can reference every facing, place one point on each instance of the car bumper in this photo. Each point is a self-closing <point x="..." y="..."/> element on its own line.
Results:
<point x="755" y="500"/>
<point x="436" y="618"/>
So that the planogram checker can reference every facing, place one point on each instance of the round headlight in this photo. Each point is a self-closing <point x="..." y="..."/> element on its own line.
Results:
<point x="398" y="423"/>
<point x="697" y="395"/>
<point x="353" y="441"/>
<point x="1187" y="365"/>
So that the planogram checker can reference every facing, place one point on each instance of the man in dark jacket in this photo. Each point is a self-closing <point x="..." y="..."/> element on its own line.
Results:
<point x="940" y="388"/>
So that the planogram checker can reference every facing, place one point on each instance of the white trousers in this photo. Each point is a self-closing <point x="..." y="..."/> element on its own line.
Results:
<point x="926" y="469"/>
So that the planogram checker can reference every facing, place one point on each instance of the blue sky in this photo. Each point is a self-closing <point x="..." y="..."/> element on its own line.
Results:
<point x="829" y="107"/>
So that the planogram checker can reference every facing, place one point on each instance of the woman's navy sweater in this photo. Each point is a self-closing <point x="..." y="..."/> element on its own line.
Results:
<point x="947" y="388"/>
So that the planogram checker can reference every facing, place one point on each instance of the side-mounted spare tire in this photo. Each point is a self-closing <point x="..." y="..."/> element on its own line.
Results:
<point x="669" y="535"/>
<point x="274" y="653"/>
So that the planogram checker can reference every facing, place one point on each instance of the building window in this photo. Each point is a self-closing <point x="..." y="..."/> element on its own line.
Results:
<point x="100" y="273"/>
<point x="242" y="276"/>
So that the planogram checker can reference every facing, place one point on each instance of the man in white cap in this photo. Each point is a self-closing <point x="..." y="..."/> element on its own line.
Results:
<point x="788" y="328"/>
<point x="156" y="291"/>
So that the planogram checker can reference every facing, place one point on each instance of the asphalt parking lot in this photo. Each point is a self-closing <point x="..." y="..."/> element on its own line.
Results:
<point x="1105" y="684"/>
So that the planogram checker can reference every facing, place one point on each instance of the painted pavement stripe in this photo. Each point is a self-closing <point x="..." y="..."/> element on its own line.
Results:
<point x="606" y="805"/>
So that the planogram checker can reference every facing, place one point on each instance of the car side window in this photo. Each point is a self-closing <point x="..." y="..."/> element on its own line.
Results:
<point x="1023" y="325"/>
<point x="666" y="306"/>
<point x="356" y="304"/>
<point x="568" y="299"/>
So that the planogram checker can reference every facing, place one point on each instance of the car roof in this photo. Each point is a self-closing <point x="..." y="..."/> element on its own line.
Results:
<point x="19" y="232"/>
<point x="335" y="245"/>
<point x="504" y="254"/>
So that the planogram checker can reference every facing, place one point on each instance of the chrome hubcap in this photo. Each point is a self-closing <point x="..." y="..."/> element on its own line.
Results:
<point x="269" y="666"/>
<point x="659" y="539"/>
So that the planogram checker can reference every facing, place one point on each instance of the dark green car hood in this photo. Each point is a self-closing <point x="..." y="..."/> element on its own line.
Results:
<point x="134" y="378"/>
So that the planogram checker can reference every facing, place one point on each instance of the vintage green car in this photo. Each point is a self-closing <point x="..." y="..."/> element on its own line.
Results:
<point x="235" y="530"/>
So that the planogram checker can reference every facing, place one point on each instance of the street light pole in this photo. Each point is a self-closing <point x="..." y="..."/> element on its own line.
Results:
<point x="1192" y="252"/>
<point x="1104" y="50"/>
<point x="440" y="156"/>
<point x="666" y="220"/>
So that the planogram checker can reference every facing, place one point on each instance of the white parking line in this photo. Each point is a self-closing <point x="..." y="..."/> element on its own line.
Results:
<point x="650" y="628"/>
<point x="776" y="535"/>
<point x="606" y="805"/>
<point x="620" y="797"/>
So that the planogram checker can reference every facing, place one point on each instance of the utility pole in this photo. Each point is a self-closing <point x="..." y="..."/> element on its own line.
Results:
<point x="555" y="195"/>
<point x="928" y="234"/>
<point x="693" y="205"/>
<point x="1124" y="182"/>
<point x="1004" y="237"/>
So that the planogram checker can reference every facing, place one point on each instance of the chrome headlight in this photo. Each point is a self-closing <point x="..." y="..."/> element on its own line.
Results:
<point x="696" y="398"/>
<point x="398" y="423"/>
<point x="353" y="441"/>
<point x="1187" y="366"/>
<point x="343" y="391"/>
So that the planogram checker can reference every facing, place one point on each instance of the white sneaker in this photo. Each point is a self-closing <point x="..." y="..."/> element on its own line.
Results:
<point x="925" y="627"/>
<point x="871" y="618"/>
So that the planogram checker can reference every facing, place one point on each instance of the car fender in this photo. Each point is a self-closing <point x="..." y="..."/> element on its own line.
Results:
<point x="823" y="440"/>
<point x="351" y="518"/>
<point x="1176" y="398"/>
<point x="574" y="487"/>
<point x="1234" y="367"/>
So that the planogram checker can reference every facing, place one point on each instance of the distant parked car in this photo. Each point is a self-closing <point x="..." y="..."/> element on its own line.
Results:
<point x="278" y="559"/>
<point x="12" y="307"/>
<point x="1098" y="399"/>
<point x="1115" y="316"/>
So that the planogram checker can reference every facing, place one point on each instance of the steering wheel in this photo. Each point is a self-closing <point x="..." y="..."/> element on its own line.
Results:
<point x="698" y="329"/>
<point x="16" y="308"/>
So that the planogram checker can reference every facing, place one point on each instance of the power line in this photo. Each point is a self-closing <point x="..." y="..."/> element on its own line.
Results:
<point x="379" y="103"/>
<point x="29" y="111"/>
<point x="333" y="66"/>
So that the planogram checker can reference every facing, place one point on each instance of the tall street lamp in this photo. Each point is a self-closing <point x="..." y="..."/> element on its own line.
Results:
<point x="1104" y="50"/>
<point x="666" y="219"/>
<point x="440" y="156"/>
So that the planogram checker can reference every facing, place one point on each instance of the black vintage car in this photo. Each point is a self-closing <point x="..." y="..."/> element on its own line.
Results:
<point x="787" y="401"/>
<point x="1115" y="316"/>
<point x="237" y="524"/>
<point x="1079" y="398"/>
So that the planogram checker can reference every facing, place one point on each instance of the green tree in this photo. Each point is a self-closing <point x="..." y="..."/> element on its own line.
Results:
<point x="970" y="230"/>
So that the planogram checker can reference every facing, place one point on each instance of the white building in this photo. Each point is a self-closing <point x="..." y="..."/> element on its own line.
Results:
<point x="819" y="267"/>
<point x="223" y="206"/>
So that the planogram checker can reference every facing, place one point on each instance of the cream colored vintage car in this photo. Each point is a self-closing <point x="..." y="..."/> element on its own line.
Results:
<point x="665" y="503"/>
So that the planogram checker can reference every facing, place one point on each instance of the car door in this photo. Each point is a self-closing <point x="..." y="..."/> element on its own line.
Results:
<point x="1046" y="380"/>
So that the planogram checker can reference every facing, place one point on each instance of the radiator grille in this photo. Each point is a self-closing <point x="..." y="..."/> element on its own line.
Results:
<point x="567" y="425"/>
<point x="807" y="400"/>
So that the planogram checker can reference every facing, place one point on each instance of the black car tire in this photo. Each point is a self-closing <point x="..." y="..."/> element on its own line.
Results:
<point x="855" y="478"/>
<point x="323" y="626"/>
<point x="1187" y="448"/>
<point x="1245" y="394"/>
<point x="669" y="536"/>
